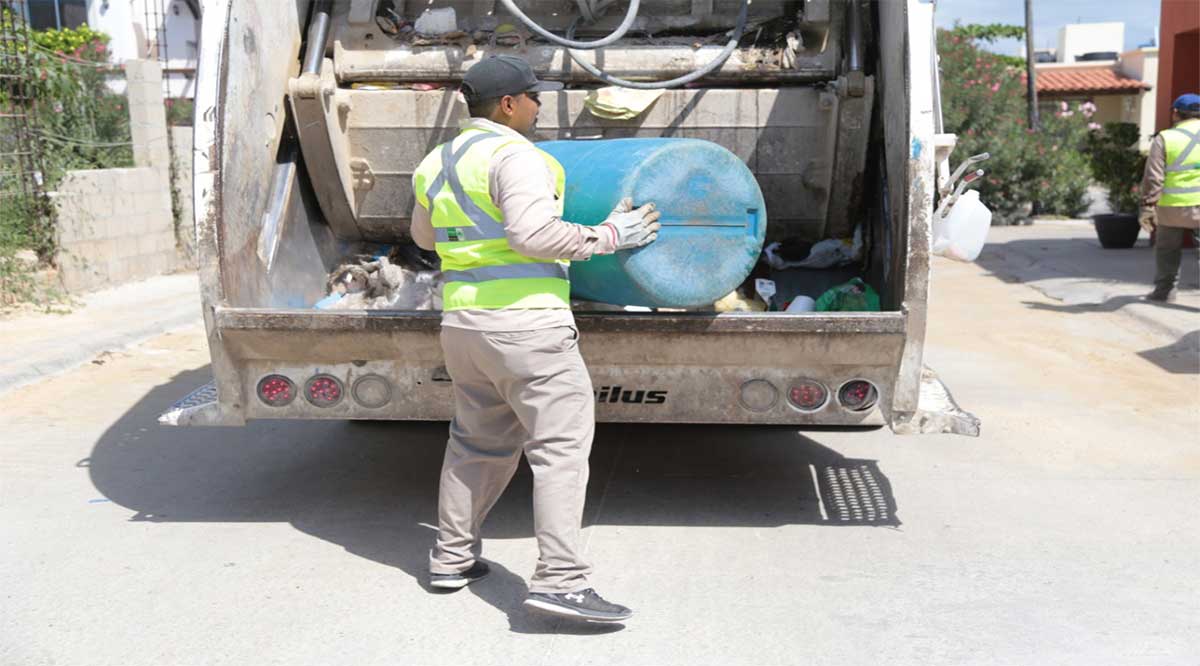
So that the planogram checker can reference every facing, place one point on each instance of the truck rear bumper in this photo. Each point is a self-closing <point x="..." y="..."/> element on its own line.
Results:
<point x="683" y="368"/>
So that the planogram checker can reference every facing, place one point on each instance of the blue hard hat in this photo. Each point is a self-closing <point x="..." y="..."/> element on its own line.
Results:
<point x="1188" y="102"/>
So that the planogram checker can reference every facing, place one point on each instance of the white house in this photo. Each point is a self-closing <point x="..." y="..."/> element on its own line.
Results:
<point x="1081" y="39"/>
<point x="164" y="30"/>
<point x="1091" y="65"/>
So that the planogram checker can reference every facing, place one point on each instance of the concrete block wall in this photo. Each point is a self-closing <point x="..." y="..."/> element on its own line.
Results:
<point x="115" y="225"/>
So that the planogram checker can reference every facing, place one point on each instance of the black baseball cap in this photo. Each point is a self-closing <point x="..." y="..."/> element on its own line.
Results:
<point x="497" y="76"/>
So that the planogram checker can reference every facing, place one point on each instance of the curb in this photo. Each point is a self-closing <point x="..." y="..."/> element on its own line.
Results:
<point x="79" y="356"/>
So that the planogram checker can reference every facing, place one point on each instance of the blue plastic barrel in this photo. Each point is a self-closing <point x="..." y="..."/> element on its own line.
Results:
<point x="713" y="218"/>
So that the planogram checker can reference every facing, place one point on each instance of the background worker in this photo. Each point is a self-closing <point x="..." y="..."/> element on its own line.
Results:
<point x="1171" y="192"/>
<point x="490" y="203"/>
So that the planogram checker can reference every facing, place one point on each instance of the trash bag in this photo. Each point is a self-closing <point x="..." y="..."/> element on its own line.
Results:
<point x="366" y="282"/>
<point x="852" y="296"/>
<point x="828" y="253"/>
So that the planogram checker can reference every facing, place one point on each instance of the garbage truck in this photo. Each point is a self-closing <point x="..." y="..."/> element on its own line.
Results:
<point x="311" y="116"/>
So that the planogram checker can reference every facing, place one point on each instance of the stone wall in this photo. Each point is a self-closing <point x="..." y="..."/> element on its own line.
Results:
<point x="115" y="225"/>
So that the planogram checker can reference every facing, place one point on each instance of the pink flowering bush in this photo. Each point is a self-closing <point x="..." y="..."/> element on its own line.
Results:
<point x="983" y="102"/>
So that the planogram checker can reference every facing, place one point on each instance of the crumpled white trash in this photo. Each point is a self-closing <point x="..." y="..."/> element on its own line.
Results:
<point x="437" y="21"/>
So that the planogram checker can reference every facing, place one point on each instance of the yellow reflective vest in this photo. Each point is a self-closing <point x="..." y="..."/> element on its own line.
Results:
<point x="1181" y="185"/>
<point x="482" y="271"/>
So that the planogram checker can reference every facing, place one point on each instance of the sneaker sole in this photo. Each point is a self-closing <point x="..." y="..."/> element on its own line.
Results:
<point x="454" y="583"/>
<point x="563" y="611"/>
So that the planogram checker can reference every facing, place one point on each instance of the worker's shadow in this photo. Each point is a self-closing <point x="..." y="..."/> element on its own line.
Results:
<point x="372" y="488"/>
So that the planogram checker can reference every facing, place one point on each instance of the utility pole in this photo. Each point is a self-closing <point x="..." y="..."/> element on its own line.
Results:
<point x="1030" y="74"/>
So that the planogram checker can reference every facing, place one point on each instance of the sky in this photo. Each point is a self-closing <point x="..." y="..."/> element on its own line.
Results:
<point x="1139" y="16"/>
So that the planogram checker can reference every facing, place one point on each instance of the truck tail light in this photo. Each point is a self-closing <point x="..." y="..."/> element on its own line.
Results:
<point x="276" y="390"/>
<point x="858" y="395"/>
<point x="323" y="391"/>
<point x="759" y="395"/>
<point x="372" y="391"/>
<point x="808" y="395"/>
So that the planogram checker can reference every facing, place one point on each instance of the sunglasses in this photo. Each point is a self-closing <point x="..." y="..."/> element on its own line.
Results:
<point x="534" y="96"/>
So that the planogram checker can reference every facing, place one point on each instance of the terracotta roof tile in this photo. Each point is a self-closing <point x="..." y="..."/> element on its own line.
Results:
<point x="1086" y="80"/>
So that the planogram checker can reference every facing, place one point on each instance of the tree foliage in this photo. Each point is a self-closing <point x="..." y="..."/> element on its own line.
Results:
<point x="983" y="102"/>
<point x="60" y="78"/>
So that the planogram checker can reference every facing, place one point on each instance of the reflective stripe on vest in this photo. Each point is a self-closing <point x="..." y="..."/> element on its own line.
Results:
<point x="486" y="227"/>
<point x="482" y="271"/>
<point x="1181" y="185"/>
<point x="508" y="272"/>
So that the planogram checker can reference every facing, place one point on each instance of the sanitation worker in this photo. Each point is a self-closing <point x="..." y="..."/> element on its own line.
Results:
<point x="1171" y="192"/>
<point x="490" y="203"/>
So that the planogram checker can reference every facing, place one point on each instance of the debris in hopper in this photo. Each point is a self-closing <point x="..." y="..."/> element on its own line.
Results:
<point x="616" y="103"/>
<point x="825" y="254"/>
<point x="801" y="304"/>
<point x="375" y="85"/>
<point x="852" y="296"/>
<point x="437" y="21"/>
<point x="376" y="283"/>
<point x="765" y="290"/>
<point x="736" y="302"/>
<point x="787" y="58"/>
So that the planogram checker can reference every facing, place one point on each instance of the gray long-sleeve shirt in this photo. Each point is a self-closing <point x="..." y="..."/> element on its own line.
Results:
<point x="1187" y="217"/>
<point x="522" y="187"/>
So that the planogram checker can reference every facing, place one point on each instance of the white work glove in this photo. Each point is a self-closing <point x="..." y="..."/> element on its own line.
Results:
<point x="632" y="228"/>
<point x="1148" y="220"/>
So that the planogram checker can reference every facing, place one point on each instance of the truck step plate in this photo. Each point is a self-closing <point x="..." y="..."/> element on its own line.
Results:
<point x="198" y="399"/>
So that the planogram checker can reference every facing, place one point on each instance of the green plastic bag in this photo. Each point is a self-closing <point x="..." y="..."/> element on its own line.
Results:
<point x="853" y="296"/>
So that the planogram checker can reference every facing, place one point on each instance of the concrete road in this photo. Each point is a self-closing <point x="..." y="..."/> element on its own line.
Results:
<point x="1069" y="533"/>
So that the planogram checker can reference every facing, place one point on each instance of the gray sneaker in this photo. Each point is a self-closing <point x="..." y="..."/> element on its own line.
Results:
<point x="581" y="605"/>
<point x="462" y="579"/>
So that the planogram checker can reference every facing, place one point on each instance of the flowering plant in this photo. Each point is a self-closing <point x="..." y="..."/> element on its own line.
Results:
<point x="983" y="102"/>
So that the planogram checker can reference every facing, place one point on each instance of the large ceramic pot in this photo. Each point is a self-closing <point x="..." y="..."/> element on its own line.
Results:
<point x="1116" y="230"/>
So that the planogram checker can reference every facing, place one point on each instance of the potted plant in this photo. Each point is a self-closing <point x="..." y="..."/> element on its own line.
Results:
<point x="1117" y="164"/>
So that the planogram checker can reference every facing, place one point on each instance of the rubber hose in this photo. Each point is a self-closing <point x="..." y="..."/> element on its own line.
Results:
<point x="738" y="31"/>
<point x="630" y="15"/>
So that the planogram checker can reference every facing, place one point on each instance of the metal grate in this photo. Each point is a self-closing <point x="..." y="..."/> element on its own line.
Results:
<point x="154" y="17"/>
<point x="201" y="396"/>
<point x="855" y="493"/>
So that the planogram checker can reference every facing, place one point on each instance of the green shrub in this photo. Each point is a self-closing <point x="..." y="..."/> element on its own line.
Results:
<point x="1118" y="164"/>
<point x="983" y="102"/>
<point x="180" y="111"/>
<point x="79" y="124"/>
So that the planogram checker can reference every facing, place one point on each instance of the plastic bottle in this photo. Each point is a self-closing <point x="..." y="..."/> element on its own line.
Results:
<point x="962" y="233"/>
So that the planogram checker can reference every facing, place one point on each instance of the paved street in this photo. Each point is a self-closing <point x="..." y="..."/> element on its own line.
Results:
<point x="1068" y="533"/>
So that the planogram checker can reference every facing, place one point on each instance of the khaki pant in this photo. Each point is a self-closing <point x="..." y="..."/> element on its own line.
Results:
<point x="1168" y="254"/>
<point x="521" y="392"/>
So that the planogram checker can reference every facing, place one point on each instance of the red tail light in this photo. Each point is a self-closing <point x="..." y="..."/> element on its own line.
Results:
<point x="808" y="395"/>
<point x="858" y="395"/>
<point x="276" y="390"/>
<point x="323" y="391"/>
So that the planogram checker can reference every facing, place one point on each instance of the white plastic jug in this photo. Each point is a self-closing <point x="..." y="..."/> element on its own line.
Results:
<point x="963" y="231"/>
